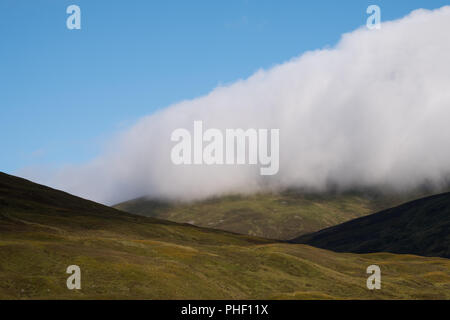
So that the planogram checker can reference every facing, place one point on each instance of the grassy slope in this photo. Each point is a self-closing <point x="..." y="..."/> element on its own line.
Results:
<point x="418" y="227"/>
<point x="42" y="231"/>
<point x="277" y="216"/>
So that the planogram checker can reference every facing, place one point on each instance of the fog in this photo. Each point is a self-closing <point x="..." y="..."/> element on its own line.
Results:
<point x="374" y="111"/>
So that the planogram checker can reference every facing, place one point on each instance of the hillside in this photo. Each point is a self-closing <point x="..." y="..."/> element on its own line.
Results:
<point x="123" y="256"/>
<point x="419" y="227"/>
<point x="281" y="216"/>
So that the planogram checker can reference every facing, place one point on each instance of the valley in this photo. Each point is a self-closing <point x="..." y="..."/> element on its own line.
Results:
<point x="126" y="256"/>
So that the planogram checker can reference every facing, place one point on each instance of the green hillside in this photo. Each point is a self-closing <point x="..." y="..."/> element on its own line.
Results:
<point x="42" y="231"/>
<point x="276" y="216"/>
<point x="419" y="227"/>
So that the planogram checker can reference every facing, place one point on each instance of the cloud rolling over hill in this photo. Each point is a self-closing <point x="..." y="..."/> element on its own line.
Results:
<point x="358" y="114"/>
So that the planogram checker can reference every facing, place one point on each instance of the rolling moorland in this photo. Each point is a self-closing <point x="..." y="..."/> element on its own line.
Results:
<point x="126" y="256"/>
<point x="283" y="216"/>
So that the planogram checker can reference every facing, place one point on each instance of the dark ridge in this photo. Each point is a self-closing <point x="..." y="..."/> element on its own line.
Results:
<point x="420" y="227"/>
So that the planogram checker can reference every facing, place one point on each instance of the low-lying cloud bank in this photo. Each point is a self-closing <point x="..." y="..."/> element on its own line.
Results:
<point x="373" y="111"/>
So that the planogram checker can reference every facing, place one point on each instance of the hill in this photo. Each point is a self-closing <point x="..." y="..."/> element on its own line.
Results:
<point x="418" y="227"/>
<point x="123" y="256"/>
<point x="280" y="216"/>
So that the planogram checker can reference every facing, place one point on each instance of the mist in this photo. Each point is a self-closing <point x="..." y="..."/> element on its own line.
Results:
<point x="374" y="111"/>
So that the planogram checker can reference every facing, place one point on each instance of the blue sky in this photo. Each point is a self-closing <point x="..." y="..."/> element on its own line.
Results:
<point x="64" y="93"/>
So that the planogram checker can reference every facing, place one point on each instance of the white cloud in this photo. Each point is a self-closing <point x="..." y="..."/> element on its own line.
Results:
<point x="375" y="110"/>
